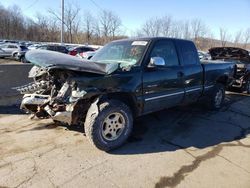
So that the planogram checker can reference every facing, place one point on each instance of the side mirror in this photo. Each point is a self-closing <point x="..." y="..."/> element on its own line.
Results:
<point x="156" y="62"/>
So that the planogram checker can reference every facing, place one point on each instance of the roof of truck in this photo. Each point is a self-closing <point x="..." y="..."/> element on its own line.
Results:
<point x="150" y="38"/>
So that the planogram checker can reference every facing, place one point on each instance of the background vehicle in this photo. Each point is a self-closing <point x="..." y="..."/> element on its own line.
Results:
<point x="204" y="55"/>
<point x="53" y="47"/>
<point x="125" y="79"/>
<point x="13" y="50"/>
<point x="87" y="55"/>
<point x="80" y="49"/>
<point x="242" y="59"/>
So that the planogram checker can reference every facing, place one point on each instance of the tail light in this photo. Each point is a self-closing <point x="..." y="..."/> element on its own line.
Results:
<point x="73" y="52"/>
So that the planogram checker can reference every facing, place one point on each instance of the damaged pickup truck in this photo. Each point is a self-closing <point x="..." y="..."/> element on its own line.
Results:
<point x="124" y="80"/>
<point x="242" y="59"/>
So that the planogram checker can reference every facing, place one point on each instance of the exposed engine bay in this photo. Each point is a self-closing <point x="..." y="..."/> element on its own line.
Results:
<point x="54" y="93"/>
<point x="51" y="95"/>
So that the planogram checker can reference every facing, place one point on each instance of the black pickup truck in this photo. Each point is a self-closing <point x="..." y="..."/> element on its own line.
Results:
<point x="124" y="80"/>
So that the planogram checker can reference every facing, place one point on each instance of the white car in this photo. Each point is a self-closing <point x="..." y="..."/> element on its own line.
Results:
<point x="13" y="50"/>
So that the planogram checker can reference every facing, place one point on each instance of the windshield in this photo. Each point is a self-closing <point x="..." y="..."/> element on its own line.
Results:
<point x="126" y="53"/>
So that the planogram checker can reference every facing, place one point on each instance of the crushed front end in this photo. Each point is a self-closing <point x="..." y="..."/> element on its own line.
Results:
<point x="54" y="95"/>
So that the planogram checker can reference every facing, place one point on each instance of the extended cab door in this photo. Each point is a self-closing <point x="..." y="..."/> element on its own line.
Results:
<point x="163" y="85"/>
<point x="192" y="69"/>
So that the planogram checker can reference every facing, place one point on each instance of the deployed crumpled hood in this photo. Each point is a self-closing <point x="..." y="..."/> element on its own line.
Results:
<point x="230" y="53"/>
<point x="56" y="60"/>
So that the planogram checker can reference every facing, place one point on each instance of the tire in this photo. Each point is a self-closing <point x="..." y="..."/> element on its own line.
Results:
<point x="23" y="60"/>
<point x="15" y="56"/>
<point x="108" y="125"/>
<point x="217" y="97"/>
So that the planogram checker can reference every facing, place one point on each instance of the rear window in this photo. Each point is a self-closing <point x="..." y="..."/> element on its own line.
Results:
<point x="189" y="52"/>
<point x="52" y="48"/>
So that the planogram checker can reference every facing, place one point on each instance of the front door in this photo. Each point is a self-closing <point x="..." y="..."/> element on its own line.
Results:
<point x="163" y="85"/>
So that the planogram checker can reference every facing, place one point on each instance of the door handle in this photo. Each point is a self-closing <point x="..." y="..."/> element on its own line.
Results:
<point x="180" y="74"/>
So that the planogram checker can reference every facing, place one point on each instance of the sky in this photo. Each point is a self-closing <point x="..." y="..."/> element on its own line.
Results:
<point x="233" y="15"/>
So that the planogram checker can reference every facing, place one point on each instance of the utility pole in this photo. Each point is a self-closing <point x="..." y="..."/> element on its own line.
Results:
<point x="62" y="18"/>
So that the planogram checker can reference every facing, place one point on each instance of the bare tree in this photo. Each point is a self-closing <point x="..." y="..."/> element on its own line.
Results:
<point x="198" y="30"/>
<point x="237" y="38"/>
<point x="186" y="30"/>
<point x="88" y="24"/>
<point x="115" y="25"/>
<point x="224" y="36"/>
<point x="109" y="24"/>
<point x="152" y="27"/>
<point x="166" y="24"/>
<point x="71" y="20"/>
<point x="246" y="38"/>
<point x="176" y="29"/>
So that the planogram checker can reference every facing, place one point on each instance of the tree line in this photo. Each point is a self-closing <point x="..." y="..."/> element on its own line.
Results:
<point x="78" y="28"/>
<point x="195" y="30"/>
<point x="83" y="27"/>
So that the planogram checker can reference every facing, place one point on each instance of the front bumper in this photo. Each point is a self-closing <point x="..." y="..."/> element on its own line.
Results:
<point x="39" y="105"/>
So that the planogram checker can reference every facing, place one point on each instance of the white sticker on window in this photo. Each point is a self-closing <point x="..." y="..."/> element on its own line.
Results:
<point x="139" y="43"/>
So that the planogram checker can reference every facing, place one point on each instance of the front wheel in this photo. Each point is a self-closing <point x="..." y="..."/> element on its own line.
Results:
<point x="217" y="97"/>
<point x="109" y="125"/>
<point x="15" y="56"/>
<point x="23" y="60"/>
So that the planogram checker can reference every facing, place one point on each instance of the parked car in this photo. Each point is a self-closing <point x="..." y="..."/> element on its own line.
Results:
<point x="242" y="59"/>
<point x="13" y="50"/>
<point x="54" y="47"/>
<point x="34" y="46"/>
<point x="87" y="55"/>
<point x="124" y="80"/>
<point x="204" y="55"/>
<point x="80" y="49"/>
<point x="10" y="41"/>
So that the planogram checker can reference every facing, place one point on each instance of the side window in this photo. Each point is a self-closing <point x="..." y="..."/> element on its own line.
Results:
<point x="189" y="53"/>
<point x="12" y="46"/>
<point x="52" y="48"/>
<point x="166" y="50"/>
<point x="4" y="46"/>
<point x="42" y="47"/>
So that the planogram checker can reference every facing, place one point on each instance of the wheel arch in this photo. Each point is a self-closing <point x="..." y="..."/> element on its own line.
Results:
<point x="223" y="80"/>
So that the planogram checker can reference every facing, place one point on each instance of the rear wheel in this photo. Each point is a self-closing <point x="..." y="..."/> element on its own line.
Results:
<point x="217" y="97"/>
<point x="15" y="56"/>
<point x="23" y="60"/>
<point x="108" y="127"/>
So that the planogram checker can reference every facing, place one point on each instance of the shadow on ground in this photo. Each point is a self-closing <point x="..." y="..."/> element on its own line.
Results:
<point x="187" y="126"/>
<point x="11" y="110"/>
<point x="179" y="128"/>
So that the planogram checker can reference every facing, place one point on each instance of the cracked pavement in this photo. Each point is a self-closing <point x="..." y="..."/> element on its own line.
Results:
<point x="186" y="146"/>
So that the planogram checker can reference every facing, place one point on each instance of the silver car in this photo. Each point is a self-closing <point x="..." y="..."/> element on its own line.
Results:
<point x="13" y="50"/>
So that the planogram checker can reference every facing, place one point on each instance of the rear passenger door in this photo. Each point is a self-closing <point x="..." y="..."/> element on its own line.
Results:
<point x="192" y="69"/>
<point x="163" y="85"/>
